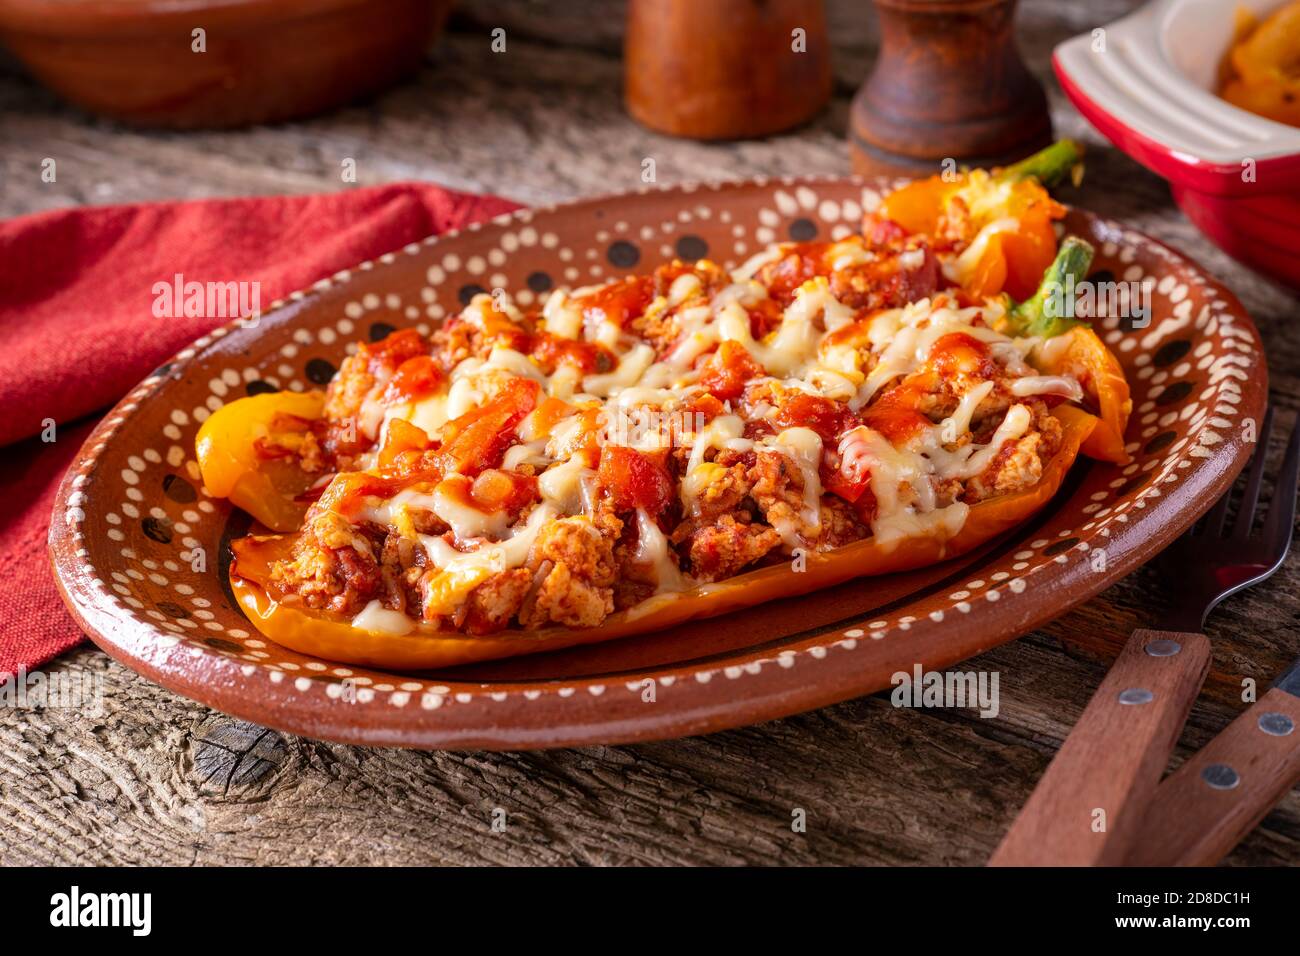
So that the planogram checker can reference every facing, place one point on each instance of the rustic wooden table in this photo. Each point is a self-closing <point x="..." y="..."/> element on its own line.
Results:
<point x="159" y="779"/>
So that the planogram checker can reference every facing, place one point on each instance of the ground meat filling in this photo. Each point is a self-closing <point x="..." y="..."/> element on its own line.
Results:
<point x="334" y="566"/>
<point x="493" y="603"/>
<point x="581" y="569"/>
<point x="628" y="518"/>
<point x="573" y="573"/>
<point x="1017" y="465"/>
<point x="727" y="545"/>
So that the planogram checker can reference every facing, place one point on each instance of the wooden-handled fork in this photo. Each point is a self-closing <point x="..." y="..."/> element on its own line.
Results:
<point x="1091" y="807"/>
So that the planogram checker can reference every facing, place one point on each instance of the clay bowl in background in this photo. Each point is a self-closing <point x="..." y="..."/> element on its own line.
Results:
<point x="265" y="60"/>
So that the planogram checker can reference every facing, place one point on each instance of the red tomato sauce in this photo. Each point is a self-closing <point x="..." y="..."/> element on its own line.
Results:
<point x="618" y="302"/>
<point x="633" y="480"/>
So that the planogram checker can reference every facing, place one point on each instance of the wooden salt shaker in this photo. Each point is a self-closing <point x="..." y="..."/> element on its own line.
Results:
<point x="948" y="83"/>
<point x="725" y="69"/>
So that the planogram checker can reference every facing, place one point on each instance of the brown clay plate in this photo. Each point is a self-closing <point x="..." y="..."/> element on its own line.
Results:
<point x="132" y="523"/>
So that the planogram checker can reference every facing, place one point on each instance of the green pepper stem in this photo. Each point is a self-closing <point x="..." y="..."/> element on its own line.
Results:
<point x="1050" y="310"/>
<point x="1049" y="166"/>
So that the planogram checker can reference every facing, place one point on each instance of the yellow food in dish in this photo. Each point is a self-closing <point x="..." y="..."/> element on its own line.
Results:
<point x="1261" y="72"/>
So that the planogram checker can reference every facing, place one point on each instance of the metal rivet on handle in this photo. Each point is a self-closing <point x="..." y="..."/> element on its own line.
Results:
<point x="1136" y="695"/>
<point x="1220" y="776"/>
<point x="1278" y="725"/>
<point x="1163" y="647"/>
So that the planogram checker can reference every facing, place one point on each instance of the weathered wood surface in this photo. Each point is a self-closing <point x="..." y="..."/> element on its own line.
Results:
<point x="158" y="779"/>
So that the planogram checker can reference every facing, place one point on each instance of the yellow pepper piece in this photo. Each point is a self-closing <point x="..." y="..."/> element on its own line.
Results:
<point x="232" y="468"/>
<point x="1262" y="71"/>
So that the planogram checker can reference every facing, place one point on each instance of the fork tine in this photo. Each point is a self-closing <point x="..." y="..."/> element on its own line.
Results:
<point x="1281" y="512"/>
<point x="1250" y="497"/>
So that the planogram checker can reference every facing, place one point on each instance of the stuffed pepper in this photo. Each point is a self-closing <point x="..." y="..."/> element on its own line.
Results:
<point x="678" y="444"/>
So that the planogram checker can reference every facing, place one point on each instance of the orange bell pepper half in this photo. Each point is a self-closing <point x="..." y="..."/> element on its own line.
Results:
<point x="231" y="447"/>
<point x="333" y="637"/>
<point x="989" y="276"/>
<point x="917" y="206"/>
<point x="1083" y="355"/>
<point x="1028" y="252"/>
<point x="1011" y="259"/>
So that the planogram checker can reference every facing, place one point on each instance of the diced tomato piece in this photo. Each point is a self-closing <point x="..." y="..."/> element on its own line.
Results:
<point x="346" y="492"/>
<point x="882" y="233"/>
<point x="961" y="359"/>
<point x="725" y="372"/>
<point x="704" y="405"/>
<point x="866" y="506"/>
<point x="764" y="316"/>
<point x="800" y="262"/>
<point x="496" y="490"/>
<point x="856" y="491"/>
<point x="836" y="482"/>
<point x="390" y="352"/>
<point x="827" y="418"/>
<point x="401" y="436"/>
<point x="848" y="475"/>
<point x="552" y="351"/>
<point x="416" y="378"/>
<point x="478" y="439"/>
<point x="894" y="414"/>
<point x="619" y="301"/>
<point x="634" y="480"/>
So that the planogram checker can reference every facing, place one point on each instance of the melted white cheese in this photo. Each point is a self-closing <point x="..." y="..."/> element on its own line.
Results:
<point x="567" y="487"/>
<point x="903" y="479"/>
<point x="459" y="572"/>
<point x="628" y="373"/>
<point x="561" y="316"/>
<point x="869" y="353"/>
<point x="803" y="447"/>
<point x="652" y="549"/>
<point x="375" y="617"/>
<point x="911" y="334"/>
<point x="465" y="521"/>
<point x="1061" y="385"/>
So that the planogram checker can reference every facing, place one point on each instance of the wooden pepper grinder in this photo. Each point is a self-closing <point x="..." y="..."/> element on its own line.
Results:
<point x="948" y="83"/>
<point x="725" y="69"/>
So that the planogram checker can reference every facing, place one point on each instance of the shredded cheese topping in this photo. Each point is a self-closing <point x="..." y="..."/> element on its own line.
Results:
<point x="662" y="356"/>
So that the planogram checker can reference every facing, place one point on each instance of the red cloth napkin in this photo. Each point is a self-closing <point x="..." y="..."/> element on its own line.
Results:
<point x="77" y="331"/>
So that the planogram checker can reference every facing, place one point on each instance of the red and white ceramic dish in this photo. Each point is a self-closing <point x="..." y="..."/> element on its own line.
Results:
<point x="1148" y="83"/>
<point x="141" y="552"/>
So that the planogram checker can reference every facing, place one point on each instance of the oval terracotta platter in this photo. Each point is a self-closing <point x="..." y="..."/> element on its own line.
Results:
<point x="132" y="523"/>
